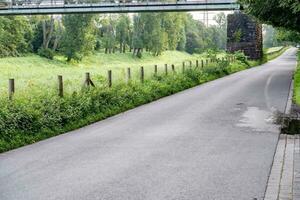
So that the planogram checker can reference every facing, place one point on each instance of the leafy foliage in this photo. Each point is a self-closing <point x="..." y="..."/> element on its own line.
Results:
<point x="297" y="83"/>
<point x="46" y="52"/>
<point x="15" y="36"/>
<point x="78" y="39"/>
<point x="279" y="13"/>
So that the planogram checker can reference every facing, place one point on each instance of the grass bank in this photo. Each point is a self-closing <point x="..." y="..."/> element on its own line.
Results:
<point x="273" y="53"/>
<point x="36" y="73"/>
<point x="297" y="83"/>
<point x="42" y="114"/>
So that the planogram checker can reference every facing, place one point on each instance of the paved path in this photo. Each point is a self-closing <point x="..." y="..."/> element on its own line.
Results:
<point x="215" y="141"/>
<point x="284" y="180"/>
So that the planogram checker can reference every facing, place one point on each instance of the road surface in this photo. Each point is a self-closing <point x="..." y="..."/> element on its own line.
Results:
<point x="212" y="142"/>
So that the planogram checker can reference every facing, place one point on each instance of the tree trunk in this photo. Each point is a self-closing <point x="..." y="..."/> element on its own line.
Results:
<point x="121" y="46"/>
<point x="57" y="37"/>
<point x="47" y="32"/>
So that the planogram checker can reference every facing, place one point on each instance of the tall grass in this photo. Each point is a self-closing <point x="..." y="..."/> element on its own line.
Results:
<point x="35" y="73"/>
<point x="297" y="83"/>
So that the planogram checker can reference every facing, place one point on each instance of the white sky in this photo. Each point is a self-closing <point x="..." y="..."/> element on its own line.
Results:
<point x="200" y="15"/>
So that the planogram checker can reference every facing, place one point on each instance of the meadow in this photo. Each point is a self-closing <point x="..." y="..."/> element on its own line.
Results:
<point x="33" y="73"/>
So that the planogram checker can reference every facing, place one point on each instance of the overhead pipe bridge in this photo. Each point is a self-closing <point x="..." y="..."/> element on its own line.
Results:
<point x="41" y="7"/>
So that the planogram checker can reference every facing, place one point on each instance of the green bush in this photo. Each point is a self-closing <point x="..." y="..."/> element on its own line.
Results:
<point x="297" y="83"/>
<point x="47" y="53"/>
<point x="240" y="56"/>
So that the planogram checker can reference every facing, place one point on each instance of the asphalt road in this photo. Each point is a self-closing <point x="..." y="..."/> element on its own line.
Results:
<point x="212" y="142"/>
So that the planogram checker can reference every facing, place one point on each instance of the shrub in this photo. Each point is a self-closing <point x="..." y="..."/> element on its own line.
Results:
<point x="47" y="53"/>
<point x="240" y="56"/>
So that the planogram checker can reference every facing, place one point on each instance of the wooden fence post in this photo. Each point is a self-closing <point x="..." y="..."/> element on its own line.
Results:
<point x="87" y="78"/>
<point x="202" y="63"/>
<point x="197" y="63"/>
<point x="191" y="64"/>
<point x="155" y="70"/>
<point x="60" y="86"/>
<point x="11" y="88"/>
<point x="166" y="69"/>
<point x="128" y="75"/>
<point x="206" y="62"/>
<point x="88" y="81"/>
<point x="142" y="74"/>
<point x="173" y="68"/>
<point x="109" y="78"/>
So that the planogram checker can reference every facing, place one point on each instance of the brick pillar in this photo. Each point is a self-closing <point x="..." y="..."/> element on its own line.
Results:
<point x="245" y="34"/>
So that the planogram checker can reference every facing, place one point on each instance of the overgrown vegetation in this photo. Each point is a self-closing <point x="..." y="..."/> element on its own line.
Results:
<point x="279" y="13"/>
<point x="297" y="83"/>
<point x="28" y="119"/>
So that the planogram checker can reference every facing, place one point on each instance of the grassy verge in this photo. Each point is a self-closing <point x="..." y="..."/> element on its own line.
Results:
<point x="35" y="73"/>
<point x="297" y="83"/>
<point x="274" y="53"/>
<point x="42" y="114"/>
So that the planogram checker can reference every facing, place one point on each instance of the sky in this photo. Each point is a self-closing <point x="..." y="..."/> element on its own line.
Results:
<point x="200" y="15"/>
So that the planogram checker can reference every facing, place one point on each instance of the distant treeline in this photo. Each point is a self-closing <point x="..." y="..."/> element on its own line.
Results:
<point x="76" y="36"/>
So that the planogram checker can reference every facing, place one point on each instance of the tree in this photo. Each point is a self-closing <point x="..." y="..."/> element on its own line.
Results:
<point x="15" y="36"/>
<point x="137" y="36"/>
<point x="108" y="33"/>
<point x="123" y="30"/>
<point x="79" y="38"/>
<point x="279" y="13"/>
<point x="286" y="36"/>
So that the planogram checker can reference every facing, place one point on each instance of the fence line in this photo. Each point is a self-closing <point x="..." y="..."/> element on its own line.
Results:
<point x="88" y="81"/>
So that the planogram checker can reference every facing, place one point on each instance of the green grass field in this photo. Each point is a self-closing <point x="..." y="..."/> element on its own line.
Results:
<point x="33" y="72"/>
<point x="273" y="49"/>
<point x="297" y="83"/>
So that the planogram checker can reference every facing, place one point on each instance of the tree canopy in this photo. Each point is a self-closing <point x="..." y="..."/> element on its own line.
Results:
<point x="279" y="13"/>
<point x="77" y="35"/>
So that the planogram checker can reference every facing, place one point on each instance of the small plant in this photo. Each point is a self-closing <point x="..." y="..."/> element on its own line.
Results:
<point x="46" y="52"/>
<point x="237" y="37"/>
<point x="240" y="56"/>
<point x="212" y="54"/>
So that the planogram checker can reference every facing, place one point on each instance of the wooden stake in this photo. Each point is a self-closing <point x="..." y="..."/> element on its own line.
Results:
<point x="88" y="81"/>
<point x="142" y="74"/>
<point x="60" y="86"/>
<point x="11" y="88"/>
<point x="128" y="75"/>
<point x="166" y="69"/>
<point x="109" y="78"/>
